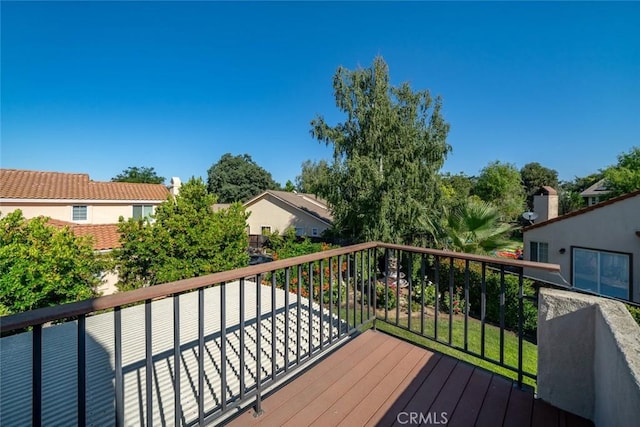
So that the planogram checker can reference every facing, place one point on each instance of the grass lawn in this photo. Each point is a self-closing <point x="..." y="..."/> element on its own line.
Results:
<point x="492" y="340"/>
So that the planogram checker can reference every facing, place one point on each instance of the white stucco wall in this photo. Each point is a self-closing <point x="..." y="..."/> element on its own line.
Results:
<point x="608" y="228"/>
<point x="272" y="212"/>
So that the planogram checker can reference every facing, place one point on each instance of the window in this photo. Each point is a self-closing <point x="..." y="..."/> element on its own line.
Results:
<point x="142" y="211"/>
<point x="314" y="232"/>
<point x="593" y="200"/>
<point x="300" y="231"/>
<point x="602" y="272"/>
<point x="265" y="230"/>
<point x="539" y="252"/>
<point x="79" y="213"/>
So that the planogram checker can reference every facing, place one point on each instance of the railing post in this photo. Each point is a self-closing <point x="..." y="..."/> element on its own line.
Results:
<point x="82" y="371"/>
<point x="176" y="360"/>
<point x="148" y="350"/>
<point x="36" y="397"/>
<point x="119" y="380"/>
<point x="520" y="323"/>
<point x="258" y="406"/>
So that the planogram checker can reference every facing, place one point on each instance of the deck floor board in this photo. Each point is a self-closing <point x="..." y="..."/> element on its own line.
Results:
<point x="378" y="380"/>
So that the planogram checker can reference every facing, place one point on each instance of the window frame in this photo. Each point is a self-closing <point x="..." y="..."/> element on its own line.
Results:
<point x="599" y="252"/>
<point x="143" y="208"/>
<point x="264" y="228"/>
<point x="537" y="251"/>
<point x="314" y="232"/>
<point x="73" y="212"/>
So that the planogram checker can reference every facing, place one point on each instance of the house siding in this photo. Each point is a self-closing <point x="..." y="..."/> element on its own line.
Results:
<point x="96" y="213"/>
<point x="609" y="228"/>
<point x="272" y="212"/>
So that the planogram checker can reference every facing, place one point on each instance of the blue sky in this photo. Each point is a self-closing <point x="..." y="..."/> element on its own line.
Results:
<point x="97" y="87"/>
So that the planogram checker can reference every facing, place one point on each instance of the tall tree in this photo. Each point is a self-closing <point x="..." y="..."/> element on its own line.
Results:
<point x="534" y="176"/>
<point x="624" y="177"/>
<point x="137" y="174"/>
<point x="456" y="188"/>
<point x="314" y="178"/>
<point x="386" y="156"/>
<point x="184" y="239"/>
<point x="42" y="266"/>
<point x="238" y="178"/>
<point x="501" y="185"/>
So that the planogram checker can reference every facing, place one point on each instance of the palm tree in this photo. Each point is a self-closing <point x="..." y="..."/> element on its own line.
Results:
<point x="473" y="227"/>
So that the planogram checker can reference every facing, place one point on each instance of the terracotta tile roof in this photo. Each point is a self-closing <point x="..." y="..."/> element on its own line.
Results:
<point x="583" y="210"/>
<point x="305" y="202"/>
<point x="105" y="236"/>
<point x="25" y="184"/>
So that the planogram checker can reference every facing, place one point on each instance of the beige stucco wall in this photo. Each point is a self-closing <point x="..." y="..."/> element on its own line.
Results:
<point x="96" y="213"/>
<point x="546" y="206"/>
<point x="272" y="212"/>
<point x="609" y="228"/>
<point x="589" y="357"/>
<point x="108" y="285"/>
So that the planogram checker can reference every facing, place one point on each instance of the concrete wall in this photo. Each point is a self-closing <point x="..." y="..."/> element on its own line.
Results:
<point x="96" y="213"/>
<point x="589" y="357"/>
<point x="278" y="215"/>
<point x="609" y="228"/>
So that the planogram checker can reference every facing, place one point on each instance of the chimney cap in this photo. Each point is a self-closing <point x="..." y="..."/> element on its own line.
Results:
<point x="548" y="191"/>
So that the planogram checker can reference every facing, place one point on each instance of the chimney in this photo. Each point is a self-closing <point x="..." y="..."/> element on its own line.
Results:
<point x="174" y="188"/>
<point x="545" y="203"/>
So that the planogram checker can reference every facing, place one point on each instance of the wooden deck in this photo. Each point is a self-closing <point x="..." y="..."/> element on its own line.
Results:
<point x="379" y="380"/>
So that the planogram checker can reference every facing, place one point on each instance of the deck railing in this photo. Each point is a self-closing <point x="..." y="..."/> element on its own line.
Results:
<point x="196" y="351"/>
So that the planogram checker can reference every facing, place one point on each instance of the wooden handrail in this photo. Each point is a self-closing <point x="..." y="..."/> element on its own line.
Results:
<point x="553" y="268"/>
<point x="48" y="314"/>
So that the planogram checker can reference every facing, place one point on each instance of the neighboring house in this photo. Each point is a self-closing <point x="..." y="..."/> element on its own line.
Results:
<point x="279" y="210"/>
<point x="597" y="247"/>
<point x="73" y="197"/>
<point x="596" y="193"/>
<point x="86" y="207"/>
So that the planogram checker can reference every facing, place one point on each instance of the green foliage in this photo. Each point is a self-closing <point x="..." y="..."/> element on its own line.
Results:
<point x="625" y="176"/>
<point x="500" y="184"/>
<point x="492" y="283"/>
<point x="456" y="189"/>
<point x="288" y="186"/>
<point x="390" y="299"/>
<point x="473" y="227"/>
<point x="635" y="313"/>
<point x="141" y="174"/>
<point x="314" y="178"/>
<point x="534" y="176"/>
<point x="42" y="266"/>
<point x="429" y="293"/>
<point x="184" y="239"/>
<point x="386" y="156"/>
<point x="238" y="178"/>
<point x="457" y="302"/>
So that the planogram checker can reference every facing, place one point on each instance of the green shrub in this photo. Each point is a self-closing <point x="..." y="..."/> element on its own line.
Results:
<point x="429" y="294"/>
<point x="459" y="303"/>
<point x="492" y="283"/>
<point x="635" y="313"/>
<point x="380" y="296"/>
